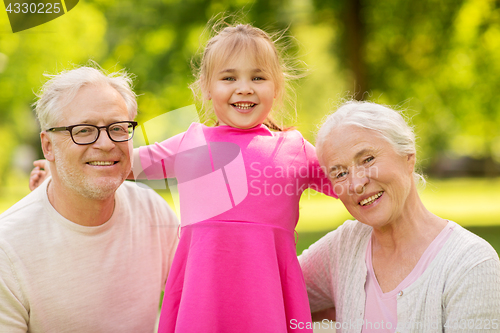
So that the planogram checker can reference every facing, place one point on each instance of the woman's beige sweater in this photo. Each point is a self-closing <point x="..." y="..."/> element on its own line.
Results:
<point x="458" y="292"/>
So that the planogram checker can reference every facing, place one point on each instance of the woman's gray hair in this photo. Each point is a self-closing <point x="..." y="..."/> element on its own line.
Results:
<point x="386" y="121"/>
<point x="62" y="88"/>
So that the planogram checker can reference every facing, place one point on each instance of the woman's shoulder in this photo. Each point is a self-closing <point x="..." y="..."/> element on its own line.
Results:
<point x="466" y="259"/>
<point x="347" y="237"/>
<point x="354" y="228"/>
<point x="463" y="243"/>
<point x="463" y="253"/>
<point x="351" y="229"/>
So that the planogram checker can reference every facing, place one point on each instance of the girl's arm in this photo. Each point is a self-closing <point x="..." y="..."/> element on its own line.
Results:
<point x="318" y="179"/>
<point x="156" y="161"/>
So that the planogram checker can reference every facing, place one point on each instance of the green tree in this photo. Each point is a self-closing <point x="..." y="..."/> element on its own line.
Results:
<point x="26" y="56"/>
<point x="438" y="59"/>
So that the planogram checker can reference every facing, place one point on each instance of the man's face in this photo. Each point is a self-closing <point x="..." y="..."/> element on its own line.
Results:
<point x="96" y="170"/>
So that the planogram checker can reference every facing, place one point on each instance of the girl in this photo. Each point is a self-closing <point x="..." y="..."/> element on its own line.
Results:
<point x="239" y="184"/>
<point x="235" y="269"/>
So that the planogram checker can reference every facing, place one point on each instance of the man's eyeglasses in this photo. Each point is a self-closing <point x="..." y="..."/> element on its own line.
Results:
<point x="86" y="134"/>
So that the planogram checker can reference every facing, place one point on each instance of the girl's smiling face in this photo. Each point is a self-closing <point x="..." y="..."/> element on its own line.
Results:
<point x="242" y="93"/>
<point x="371" y="179"/>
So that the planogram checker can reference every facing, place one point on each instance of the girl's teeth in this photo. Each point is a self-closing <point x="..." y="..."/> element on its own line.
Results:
<point x="371" y="199"/>
<point x="244" y="106"/>
<point x="101" y="163"/>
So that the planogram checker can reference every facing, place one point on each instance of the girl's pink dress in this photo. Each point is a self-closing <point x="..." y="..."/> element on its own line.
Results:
<point x="236" y="268"/>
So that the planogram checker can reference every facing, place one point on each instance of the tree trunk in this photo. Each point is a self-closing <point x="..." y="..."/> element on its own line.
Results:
<point x="354" y="33"/>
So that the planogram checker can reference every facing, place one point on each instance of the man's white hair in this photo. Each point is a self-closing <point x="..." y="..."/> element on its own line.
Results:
<point x="62" y="88"/>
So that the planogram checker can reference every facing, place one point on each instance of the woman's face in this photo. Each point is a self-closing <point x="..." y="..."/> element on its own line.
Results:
<point x="370" y="178"/>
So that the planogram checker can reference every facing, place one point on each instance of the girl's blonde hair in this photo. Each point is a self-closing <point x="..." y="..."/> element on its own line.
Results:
<point x="231" y="42"/>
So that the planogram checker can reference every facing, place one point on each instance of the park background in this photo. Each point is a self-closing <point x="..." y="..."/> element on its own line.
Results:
<point x="437" y="60"/>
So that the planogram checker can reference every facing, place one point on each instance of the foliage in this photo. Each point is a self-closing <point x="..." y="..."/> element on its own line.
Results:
<point x="443" y="56"/>
<point x="26" y="56"/>
<point x="437" y="59"/>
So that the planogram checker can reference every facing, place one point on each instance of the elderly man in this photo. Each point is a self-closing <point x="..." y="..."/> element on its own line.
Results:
<point x="85" y="252"/>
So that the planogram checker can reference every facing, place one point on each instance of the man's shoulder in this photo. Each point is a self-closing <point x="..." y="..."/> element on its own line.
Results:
<point x="139" y="192"/>
<point x="23" y="220"/>
<point x="143" y="200"/>
<point x="26" y="209"/>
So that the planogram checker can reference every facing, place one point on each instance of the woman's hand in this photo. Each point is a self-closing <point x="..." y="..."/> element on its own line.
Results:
<point x="39" y="173"/>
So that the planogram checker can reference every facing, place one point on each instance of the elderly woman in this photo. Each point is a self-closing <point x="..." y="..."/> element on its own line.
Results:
<point x="397" y="266"/>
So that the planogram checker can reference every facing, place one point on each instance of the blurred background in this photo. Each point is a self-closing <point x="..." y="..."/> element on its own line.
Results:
<point x="438" y="60"/>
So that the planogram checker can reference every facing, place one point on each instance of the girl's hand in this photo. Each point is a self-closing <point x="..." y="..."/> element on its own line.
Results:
<point x="39" y="173"/>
